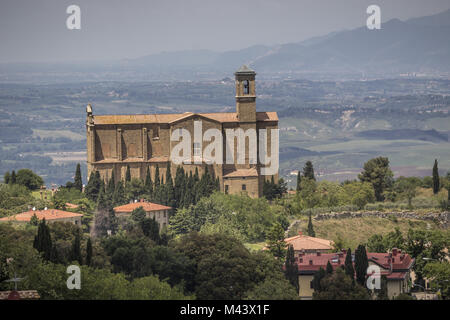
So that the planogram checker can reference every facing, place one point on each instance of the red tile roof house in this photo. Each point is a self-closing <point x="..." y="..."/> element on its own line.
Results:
<point x="158" y="211"/>
<point x="50" y="215"/>
<point x="396" y="266"/>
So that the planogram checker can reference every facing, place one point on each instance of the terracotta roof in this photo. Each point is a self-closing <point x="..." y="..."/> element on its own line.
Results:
<point x="71" y="205"/>
<point x="303" y="242"/>
<point x="49" y="214"/>
<point x="147" y="206"/>
<point x="396" y="269"/>
<point x="172" y="117"/>
<point x="251" y="172"/>
<point x="24" y="294"/>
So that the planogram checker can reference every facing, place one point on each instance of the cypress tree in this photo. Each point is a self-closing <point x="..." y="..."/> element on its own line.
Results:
<point x="78" y="182"/>
<point x="299" y="181"/>
<point x="128" y="174"/>
<point x="329" y="268"/>
<point x="317" y="278"/>
<point x="308" y="171"/>
<point x="112" y="221"/>
<point x="43" y="241"/>
<point x="54" y="254"/>
<point x="93" y="186"/>
<point x="75" y="252"/>
<point x="361" y="264"/>
<point x="157" y="178"/>
<point x="6" y="177"/>
<point x="311" y="231"/>
<point x="291" y="267"/>
<point x="89" y="252"/>
<point x="111" y="188"/>
<point x="102" y="200"/>
<point x="170" y="193"/>
<point x="180" y="187"/>
<point x="349" y="270"/>
<point x="436" y="185"/>
<point x="148" y="183"/>
<point x="13" y="178"/>
<point x="119" y="194"/>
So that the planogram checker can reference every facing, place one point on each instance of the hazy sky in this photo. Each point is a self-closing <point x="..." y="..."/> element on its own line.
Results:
<point x="35" y="30"/>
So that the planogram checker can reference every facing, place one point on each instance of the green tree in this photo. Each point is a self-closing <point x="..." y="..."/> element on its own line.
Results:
<point x="128" y="175"/>
<point x="148" y="185"/>
<point x="119" y="197"/>
<point x="361" y="265"/>
<point x="291" y="268"/>
<point x="169" y="188"/>
<point x="317" y="279"/>
<point x="376" y="243"/>
<point x="439" y="274"/>
<point x="34" y="221"/>
<point x="13" y="179"/>
<point x="6" y="177"/>
<point x="349" y="270"/>
<point x="436" y="185"/>
<point x="275" y="241"/>
<point x="43" y="240"/>
<point x="377" y="172"/>
<point x="78" y="182"/>
<point x="75" y="251"/>
<point x="299" y="180"/>
<point x="311" y="231"/>
<point x="27" y="178"/>
<point x="89" y="252"/>
<point x="338" y="286"/>
<point x="329" y="268"/>
<point x="308" y="171"/>
<point x="273" y="288"/>
<point x="93" y="186"/>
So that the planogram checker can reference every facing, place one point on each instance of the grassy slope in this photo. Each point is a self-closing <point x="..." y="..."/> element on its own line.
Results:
<point x="358" y="230"/>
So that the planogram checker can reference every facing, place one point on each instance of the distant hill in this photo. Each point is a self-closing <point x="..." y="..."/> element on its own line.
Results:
<point x="404" y="134"/>
<point x="416" y="45"/>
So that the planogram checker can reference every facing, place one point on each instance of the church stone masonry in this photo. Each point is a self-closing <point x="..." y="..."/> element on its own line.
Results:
<point x="142" y="142"/>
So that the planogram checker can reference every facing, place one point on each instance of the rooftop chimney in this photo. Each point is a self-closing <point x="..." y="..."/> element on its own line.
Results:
<point x="318" y="253"/>
<point x="394" y="251"/>
<point x="300" y="260"/>
<point x="310" y="262"/>
<point x="45" y="209"/>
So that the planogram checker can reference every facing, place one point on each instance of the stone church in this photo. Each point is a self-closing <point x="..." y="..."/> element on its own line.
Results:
<point x="143" y="142"/>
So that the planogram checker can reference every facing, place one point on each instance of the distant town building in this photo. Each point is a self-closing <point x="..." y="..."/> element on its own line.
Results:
<point x="396" y="266"/>
<point x="143" y="142"/>
<point x="153" y="210"/>
<point x="50" y="215"/>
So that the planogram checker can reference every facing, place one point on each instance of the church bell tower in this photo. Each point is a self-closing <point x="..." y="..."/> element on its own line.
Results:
<point x="245" y="94"/>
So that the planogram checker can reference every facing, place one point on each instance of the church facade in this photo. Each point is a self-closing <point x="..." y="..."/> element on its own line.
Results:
<point x="144" y="142"/>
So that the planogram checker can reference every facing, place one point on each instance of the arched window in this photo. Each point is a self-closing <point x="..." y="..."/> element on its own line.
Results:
<point x="246" y="87"/>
